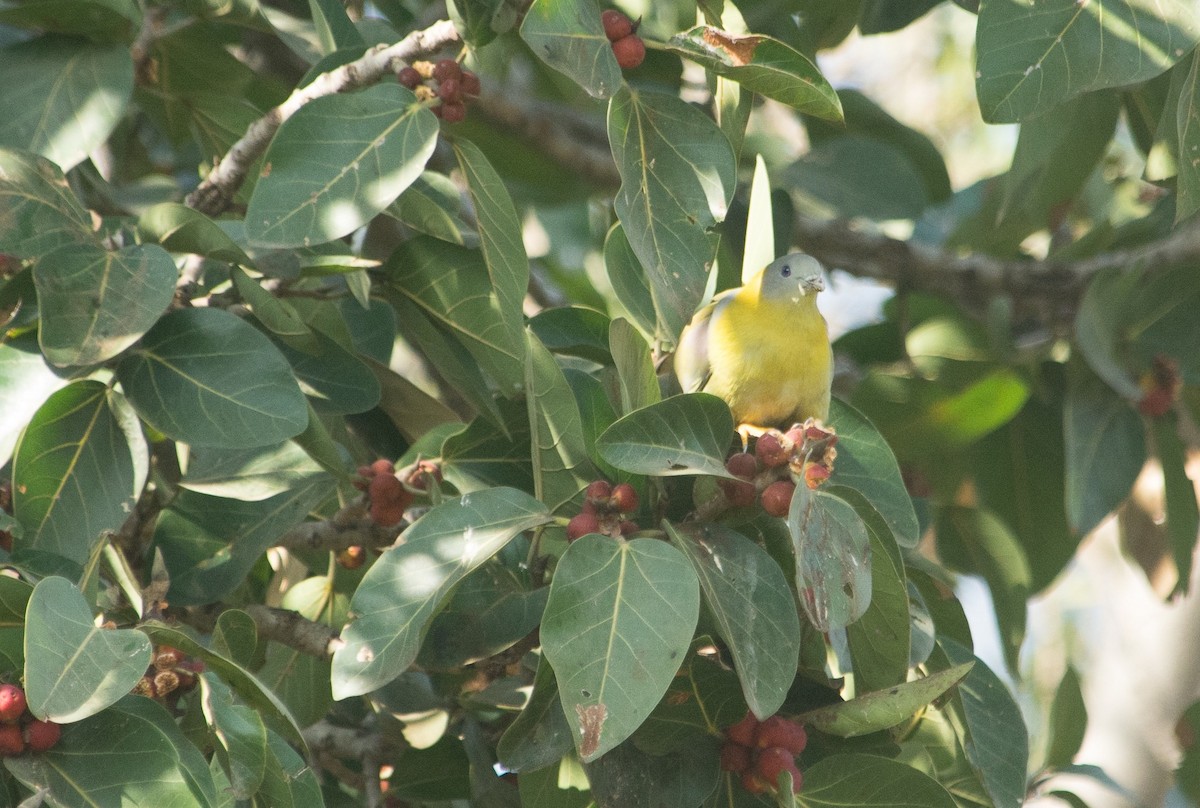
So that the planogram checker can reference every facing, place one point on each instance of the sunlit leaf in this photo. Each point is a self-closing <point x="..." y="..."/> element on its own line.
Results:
<point x="38" y="210"/>
<point x="833" y="558"/>
<point x="883" y="709"/>
<point x="568" y="36"/>
<point x="412" y="581"/>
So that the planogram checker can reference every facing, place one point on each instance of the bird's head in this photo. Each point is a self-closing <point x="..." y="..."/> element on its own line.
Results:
<point x="792" y="278"/>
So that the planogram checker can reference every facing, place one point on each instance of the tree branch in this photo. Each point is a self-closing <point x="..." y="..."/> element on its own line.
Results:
<point x="349" y="527"/>
<point x="216" y="192"/>
<point x="974" y="278"/>
<point x="294" y="630"/>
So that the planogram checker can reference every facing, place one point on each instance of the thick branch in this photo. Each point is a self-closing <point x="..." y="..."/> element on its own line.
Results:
<point x="294" y="630"/>
<point x="974" y="278"/>
<point x="216" y="192"/>
<point x="349" y="527"/>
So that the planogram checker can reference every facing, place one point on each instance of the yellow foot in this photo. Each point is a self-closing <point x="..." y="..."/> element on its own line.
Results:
<point x="748" y="430"/>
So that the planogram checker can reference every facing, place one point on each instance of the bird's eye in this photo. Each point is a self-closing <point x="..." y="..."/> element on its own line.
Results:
<point x="786" y="271"/>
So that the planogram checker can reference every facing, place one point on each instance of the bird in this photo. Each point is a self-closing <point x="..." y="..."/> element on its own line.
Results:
<point x="763" y="347"/>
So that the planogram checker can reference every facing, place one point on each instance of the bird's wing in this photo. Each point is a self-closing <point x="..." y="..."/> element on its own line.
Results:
<point x="691" y="355"/>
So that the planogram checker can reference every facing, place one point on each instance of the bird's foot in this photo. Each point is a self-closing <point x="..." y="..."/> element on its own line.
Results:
<point x="750" y="430"/>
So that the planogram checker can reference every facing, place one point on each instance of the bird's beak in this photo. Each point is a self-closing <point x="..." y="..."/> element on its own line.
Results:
<point x="813" y="283"/>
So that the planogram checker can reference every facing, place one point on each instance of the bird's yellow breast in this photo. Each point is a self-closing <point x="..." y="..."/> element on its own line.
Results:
<point x="770" y="360"/>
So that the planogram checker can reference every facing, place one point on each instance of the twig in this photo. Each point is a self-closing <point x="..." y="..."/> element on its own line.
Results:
<point x="216" y="192"/>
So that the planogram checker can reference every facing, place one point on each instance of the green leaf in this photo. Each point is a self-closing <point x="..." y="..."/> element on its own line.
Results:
<point x="26" y="381"/>
<point x="431" y="205"/>
<point x="1183" y="516"/>
<point x="575" y="331"/>
<point x="289" y="781"/>
<point x="78" y="470"/>
<point x="205" y="377"/>
<point x="72" y="668"/>
<point x="833" y="558"/>
<point x="1033" y="57"/>
<point x="883" y="709"/>
<point x="1103" y="316"/>
<point x="489" y="611"/>
<point x="866" y="781"/>
<point x="210" y="544"/>
<point x="677" y="178"/>
<point x="545" y="788"/>
<point x="1106" y="448"/>
<point x="249" y="474"/>
<point x="885" y="16"/>
<point x="241" y="737"/>
<point x="704" y="697"/>
<point x="973" y="540"/>
<point x="629" y="280"/>
<point x="753" y="607"/>
<point x="998" y="743"/>
<point x="540" y="734"/>
<point x="1054" y="157"/>
<point x="499" y="233"/>
<point x="762" y="65"/>
<point x="38" y="210"/>
<point x="136" y="737"/>
<point x="337" y="163"/>
<point x="334" y="28"/>
<point x="561" y="467"/>
<point x="100" y="20"/>
<point x="866" y="464"/>
<point x="760" y="249"/>
<point x="1067" y="721"/>
<point x="628" y="777"/>
<point x="412" y="581"/>
<point x="1019" y="473"/>
<point x="64" y="96"/>
<point x="684" y="434"/>
<point x="481" y="456"/>
<point x="635" y="366"/>
<point x="14" y="601"/>
<point x="861" y="175"/>
<point x="95" y="303"/>
<point x="265" y="703"/>
<point x="881" y="640"/>
<point x="452" y="286"/>
<point x="617" y="628"/>
<point x="568" y="36"/>
<point x="180" y="229"/>
<point x="1187" y="121"/>
<point x="335" y="379"/>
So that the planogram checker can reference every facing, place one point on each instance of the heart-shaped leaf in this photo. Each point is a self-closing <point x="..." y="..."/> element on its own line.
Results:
<point x="38" y="210"/>
<point x="406" y="587"/>
<point x="95" y="303"/>
<point x="685" y="434"/>
<point x="208" y="378"/>
<point x="136" y="737"/>
<point x="78" y="469"/>
<point x="72" y="668"/>
<point x="617" y="628"/>
<point x="1032" y="57"/>
<point x="63" y="97"/>
<point x="568" y="36"/>
<point x="336" y="163"/>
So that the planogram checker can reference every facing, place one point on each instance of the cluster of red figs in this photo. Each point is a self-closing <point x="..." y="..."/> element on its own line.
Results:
<point x="762" y="750"/>
<point x="387" y="497"/>
<point x="1160" y="387"/>
<point x="622" y="33"/>
<point x="170" y="674"/>
<point x="19" y="730"/>
<point x="804" y="453"/>
<point x="605" y="508"/>
<point x="444" y="80"/>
